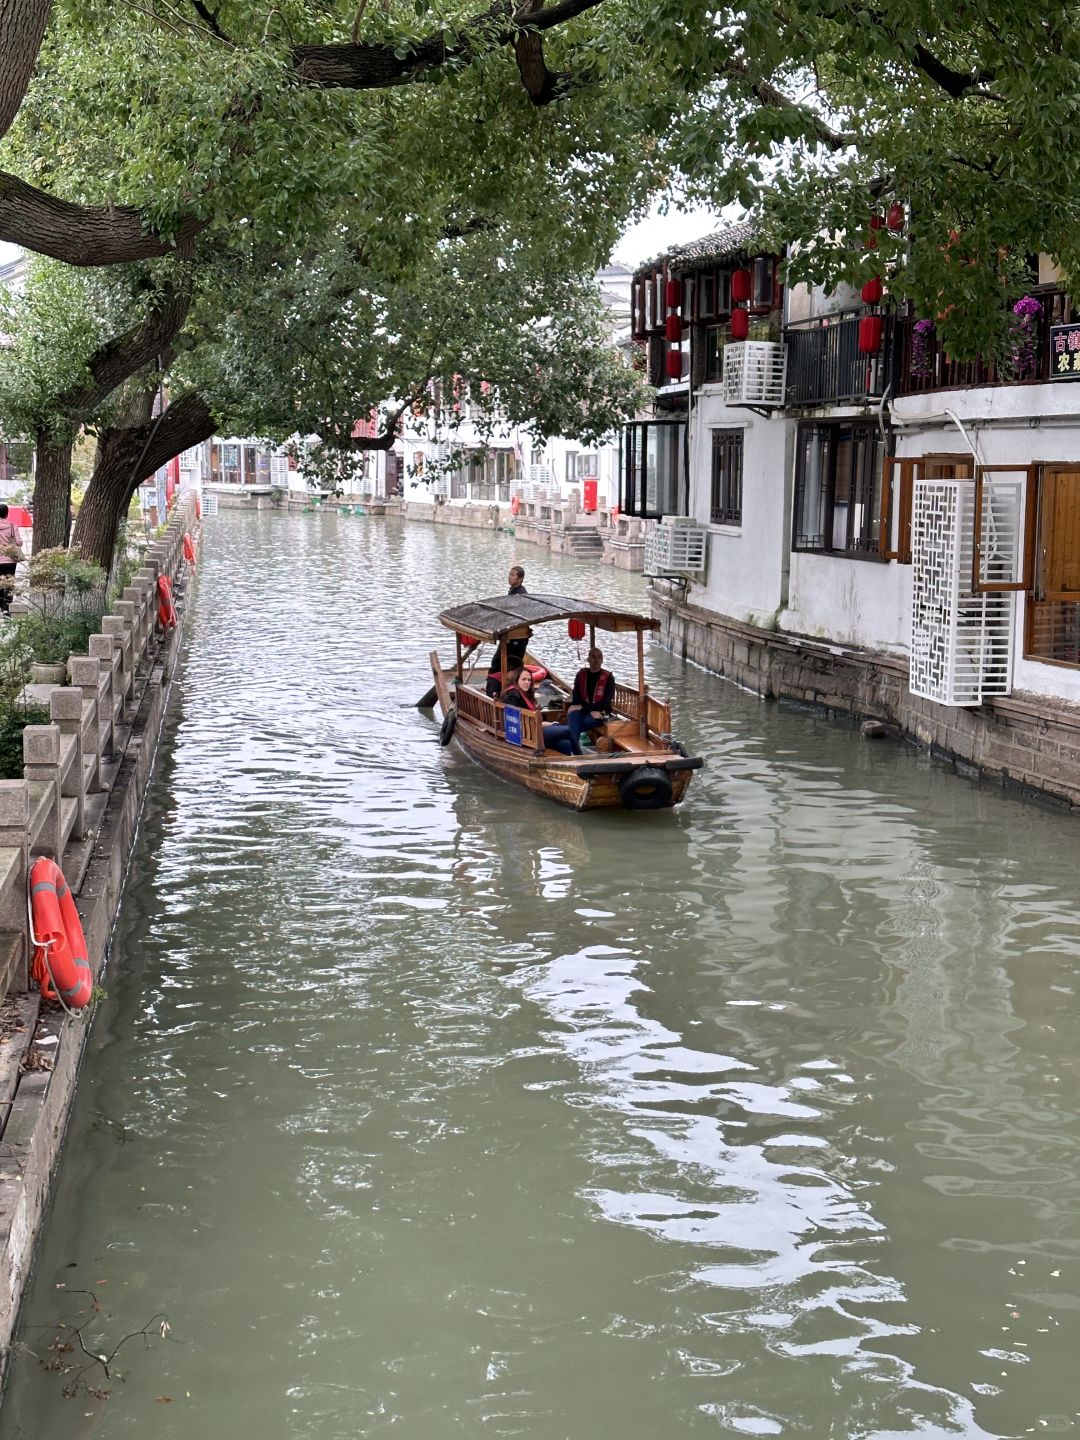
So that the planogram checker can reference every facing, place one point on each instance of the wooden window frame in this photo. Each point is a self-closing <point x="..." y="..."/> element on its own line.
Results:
<point x="911" y="468"/>
<point x="1027" y="553"/>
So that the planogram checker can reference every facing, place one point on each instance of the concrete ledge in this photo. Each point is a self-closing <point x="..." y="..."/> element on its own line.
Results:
<point x="37" y="1112"/>
<point x="1025" y="743"/>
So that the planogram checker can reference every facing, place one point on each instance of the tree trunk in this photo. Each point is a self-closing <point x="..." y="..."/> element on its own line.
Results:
<point x="126" y="456"/>
<point x="52" y="491"/>
<point x="22" y="26"/>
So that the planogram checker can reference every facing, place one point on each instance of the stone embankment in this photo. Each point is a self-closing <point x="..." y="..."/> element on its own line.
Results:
<point x="79" y="802"/>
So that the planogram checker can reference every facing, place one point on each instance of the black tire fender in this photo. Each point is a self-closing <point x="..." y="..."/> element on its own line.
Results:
<point x="646" y="788"/>
<point x="449" y="724"/>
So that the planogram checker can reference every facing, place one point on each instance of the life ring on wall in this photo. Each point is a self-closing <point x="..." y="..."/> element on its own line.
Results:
<point x="60" y="966"/>
<point x="646" y="788"/>
<point x="189" y="549"/>
<point x="166" y="610"/>
<point x="198" y="508"/>
<point x="515" y="505"/>
<point x="448" y="726"/>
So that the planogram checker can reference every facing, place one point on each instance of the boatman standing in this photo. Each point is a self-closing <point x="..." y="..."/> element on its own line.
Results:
<point x="515" y="649"/>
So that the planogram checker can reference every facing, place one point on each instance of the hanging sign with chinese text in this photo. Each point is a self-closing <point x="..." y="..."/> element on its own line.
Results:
<point x="1065" y="352"/>
<point x="512" y="725"/>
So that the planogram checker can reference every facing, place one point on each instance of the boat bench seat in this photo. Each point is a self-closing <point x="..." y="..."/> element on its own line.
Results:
<point x="625" y="737"/>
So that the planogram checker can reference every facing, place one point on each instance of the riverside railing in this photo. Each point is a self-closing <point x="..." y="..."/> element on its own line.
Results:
<point x="70" y="763"/>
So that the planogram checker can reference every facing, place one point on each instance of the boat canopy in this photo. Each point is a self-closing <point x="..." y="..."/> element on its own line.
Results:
<point x="503" y="614"/>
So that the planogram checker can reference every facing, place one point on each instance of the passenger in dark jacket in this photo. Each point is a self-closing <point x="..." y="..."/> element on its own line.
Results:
<point x="590" y="704"/>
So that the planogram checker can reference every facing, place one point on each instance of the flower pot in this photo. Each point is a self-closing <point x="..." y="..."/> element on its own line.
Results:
<point x="48" y="674"/>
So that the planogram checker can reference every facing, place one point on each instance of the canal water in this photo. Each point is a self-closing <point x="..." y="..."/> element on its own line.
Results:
<point x="422" y="1107"/>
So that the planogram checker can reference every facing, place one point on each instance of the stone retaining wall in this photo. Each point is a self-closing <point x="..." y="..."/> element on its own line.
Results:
<point x="1026" y="742"/>
<point x="79" y="803"/>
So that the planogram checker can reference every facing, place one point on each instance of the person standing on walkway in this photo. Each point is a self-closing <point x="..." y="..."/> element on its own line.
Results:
<point x="11" y="553"/>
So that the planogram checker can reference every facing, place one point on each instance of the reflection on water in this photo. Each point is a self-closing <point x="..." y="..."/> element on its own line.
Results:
<point x="420" y="1104"/>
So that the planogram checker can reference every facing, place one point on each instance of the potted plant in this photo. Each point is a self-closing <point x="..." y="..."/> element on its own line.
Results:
<point x="65" y="601"/>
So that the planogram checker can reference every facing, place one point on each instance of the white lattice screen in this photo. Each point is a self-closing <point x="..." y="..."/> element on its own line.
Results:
<point x="209" y="503"/>
<point x="962" y="640"/>
<point x="754" y="372"/>
<point x="676" y="546"/>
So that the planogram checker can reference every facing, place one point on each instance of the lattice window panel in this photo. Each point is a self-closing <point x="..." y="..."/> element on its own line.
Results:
<point x="676" y="546"/>
<point x="754" y="373"/>
<point x="961" y="640"/>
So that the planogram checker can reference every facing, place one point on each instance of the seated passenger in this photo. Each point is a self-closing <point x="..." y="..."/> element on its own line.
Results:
<point x="519" y="693"/>
<point x="590" y="704"/>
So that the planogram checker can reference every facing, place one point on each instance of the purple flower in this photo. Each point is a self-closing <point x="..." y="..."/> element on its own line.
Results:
<point x="922" y="341"/>
<point x="1027" y="305"/>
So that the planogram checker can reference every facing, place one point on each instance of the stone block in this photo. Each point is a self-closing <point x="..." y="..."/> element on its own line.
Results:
<point x="65" y="707"/>
<point x="14" y="807"/>
<point x="86" y="669"/>
<point x="41" y="745"/>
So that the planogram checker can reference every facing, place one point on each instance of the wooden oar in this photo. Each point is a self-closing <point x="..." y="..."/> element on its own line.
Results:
<point x="427" y="700"/>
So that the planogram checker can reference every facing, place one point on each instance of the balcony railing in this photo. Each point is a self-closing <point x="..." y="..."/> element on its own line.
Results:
<point x="922" y="364"/>
<point x="825" y="367"/>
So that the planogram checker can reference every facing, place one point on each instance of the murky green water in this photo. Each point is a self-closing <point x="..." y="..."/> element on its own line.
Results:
<point x="423" y="1107"/>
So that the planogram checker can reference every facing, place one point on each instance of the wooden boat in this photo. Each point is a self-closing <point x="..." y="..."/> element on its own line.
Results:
<point x="635" y="765"/>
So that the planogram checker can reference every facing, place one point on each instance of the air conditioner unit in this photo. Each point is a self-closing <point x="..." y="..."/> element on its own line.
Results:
<point x="676" y="545"/>
<point x="754" y="373"/>
<point x="961" y="637"/>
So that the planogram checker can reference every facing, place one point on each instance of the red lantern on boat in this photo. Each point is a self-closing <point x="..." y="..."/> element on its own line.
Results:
<point x="740" y="286"/>
<point x="674" y="364"/>
<point x="576" y="629"/>
<point x="468" y="641"/>
<point x="896" y="217"/>
<point x="871" y="329"/>
<point x="673" y="328"/>
<point x="740" y="324"/>
<point x="872" y="291"/>
<point x="673" y="294"/>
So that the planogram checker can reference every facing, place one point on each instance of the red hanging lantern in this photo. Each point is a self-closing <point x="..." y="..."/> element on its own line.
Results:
<point x="740" y="324"/>
<point x="876" y="222"/>
<point x="673" y="328"/>
<point x="872" y="291"/>
<point x="674" y="364"/>
<point x="468" y="641"/>
<point x="576" y="629"/>
<point x="896" y="216"/>
<point x="871" y="330"/>
<point x="740" y="286"/>
<point x="673" y="294"/>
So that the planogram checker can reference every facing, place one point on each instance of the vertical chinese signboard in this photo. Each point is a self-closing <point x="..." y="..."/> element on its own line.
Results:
<point x="1065" y="352"/>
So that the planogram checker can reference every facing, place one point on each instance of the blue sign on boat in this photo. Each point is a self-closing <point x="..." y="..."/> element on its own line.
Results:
<point x="512" y="725"/>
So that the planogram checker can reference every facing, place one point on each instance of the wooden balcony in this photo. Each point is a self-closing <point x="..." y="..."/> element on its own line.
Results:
<point x="922" y="365"/>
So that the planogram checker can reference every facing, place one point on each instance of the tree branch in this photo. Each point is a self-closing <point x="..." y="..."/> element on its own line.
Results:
<point x="81" y="235"/>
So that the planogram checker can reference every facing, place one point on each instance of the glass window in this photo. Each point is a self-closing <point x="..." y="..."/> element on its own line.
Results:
<point x="727" y="458"/>
<point x="838" y="489"/>
<point x="654" y="469"/>
<point x="707" y="296"/>
<point x="762" y="281"/>
<point x="715" y="340"/>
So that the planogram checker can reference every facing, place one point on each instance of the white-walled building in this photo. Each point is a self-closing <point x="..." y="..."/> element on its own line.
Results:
<point x="855" y="521"/>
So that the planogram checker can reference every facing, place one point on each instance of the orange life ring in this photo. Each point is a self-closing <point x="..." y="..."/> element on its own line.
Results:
<point x="537" y="672"/>
<point x="189" y="549"/>
<point x="60" y="966"/>
<point x="198" y="508"/>
<point x="515" y="505"/>
<point x="166" y="612"/>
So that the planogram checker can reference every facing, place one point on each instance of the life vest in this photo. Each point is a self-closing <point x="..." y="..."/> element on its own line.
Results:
<point x="189" y="549"/>
<point x="166" y="612"/>
<point x="523" y="702"/>
<point x="600" y="694"/>
<point x="60" y="965"/>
